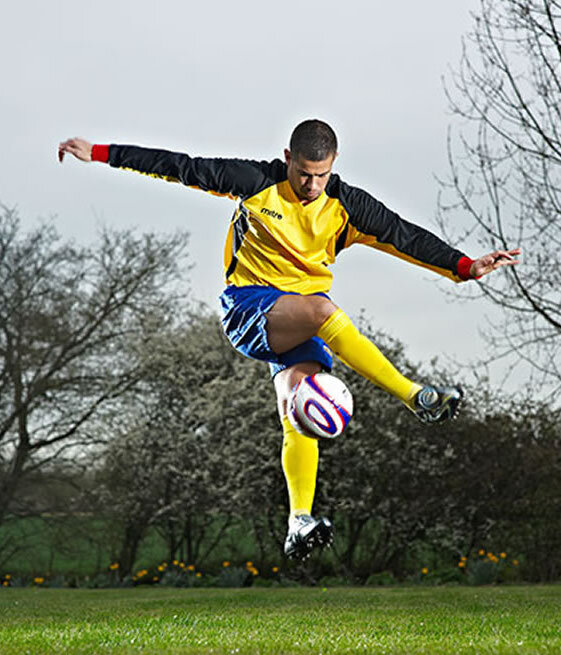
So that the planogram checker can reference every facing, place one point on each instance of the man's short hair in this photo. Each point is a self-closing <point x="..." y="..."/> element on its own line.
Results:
<point x="313" y="140"/>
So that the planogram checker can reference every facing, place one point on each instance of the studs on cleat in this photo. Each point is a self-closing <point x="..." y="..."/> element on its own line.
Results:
<point x="437" y="404"/>
<point x="306" y="533"/>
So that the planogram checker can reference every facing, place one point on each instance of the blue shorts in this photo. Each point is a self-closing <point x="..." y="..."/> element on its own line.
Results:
<point x="244" y="321"/>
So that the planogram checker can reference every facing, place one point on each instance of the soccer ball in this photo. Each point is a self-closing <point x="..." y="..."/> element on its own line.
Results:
<point x="320" y="405"/>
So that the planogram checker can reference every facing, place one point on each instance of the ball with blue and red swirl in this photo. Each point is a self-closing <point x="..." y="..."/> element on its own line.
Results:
<point x="320" y="406"/>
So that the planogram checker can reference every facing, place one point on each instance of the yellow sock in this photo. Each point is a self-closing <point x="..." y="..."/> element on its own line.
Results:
<point x="360" y="354"/>
<point x="300" y="456"/>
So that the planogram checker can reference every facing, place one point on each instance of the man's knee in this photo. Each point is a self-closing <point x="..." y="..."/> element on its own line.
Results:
<point x="311" y="311"/>
<point x="318" y="309"/>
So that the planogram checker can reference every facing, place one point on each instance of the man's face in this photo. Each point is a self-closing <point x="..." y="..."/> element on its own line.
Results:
<point x="308" y="179"/>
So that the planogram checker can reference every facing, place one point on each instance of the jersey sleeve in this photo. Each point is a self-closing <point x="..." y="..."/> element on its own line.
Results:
<point x="229" y="177"/>
<point x="371" y="223"/>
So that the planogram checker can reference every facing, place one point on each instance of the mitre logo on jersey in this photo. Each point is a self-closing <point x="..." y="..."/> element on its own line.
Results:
<point x="271" y="213"/>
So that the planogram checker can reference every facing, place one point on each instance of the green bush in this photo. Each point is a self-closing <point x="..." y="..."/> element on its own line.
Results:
<point x="482" y="572"/>
<point x="447" y="575"/>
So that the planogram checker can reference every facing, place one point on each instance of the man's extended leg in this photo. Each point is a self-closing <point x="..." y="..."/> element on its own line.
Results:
<point x="293" y="319"/>
<point x="300" y="457"/>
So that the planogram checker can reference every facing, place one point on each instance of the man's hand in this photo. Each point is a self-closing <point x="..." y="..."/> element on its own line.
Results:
<point x="80" y="148"/>
<point x="494" y="260"/>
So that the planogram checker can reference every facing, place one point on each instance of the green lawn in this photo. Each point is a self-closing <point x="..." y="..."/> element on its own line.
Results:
<point x="297" y="620"/>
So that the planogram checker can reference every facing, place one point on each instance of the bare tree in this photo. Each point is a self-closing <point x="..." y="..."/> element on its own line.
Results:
<point x="68" y="318"/>
<point x="505" y="162"/>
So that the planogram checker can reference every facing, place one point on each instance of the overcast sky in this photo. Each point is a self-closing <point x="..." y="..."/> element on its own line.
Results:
<point x="232" y="79"/>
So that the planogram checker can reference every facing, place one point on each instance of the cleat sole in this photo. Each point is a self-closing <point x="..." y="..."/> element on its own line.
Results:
<point x="321" y="536"/>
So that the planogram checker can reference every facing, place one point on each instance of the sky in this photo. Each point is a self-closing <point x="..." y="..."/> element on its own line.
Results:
<point x="233" y="79"/>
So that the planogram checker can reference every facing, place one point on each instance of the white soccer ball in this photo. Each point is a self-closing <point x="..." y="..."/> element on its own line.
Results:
<point x="320" y="405"/>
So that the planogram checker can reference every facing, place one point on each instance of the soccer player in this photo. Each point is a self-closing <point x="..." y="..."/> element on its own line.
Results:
<point x="292" y="218"/>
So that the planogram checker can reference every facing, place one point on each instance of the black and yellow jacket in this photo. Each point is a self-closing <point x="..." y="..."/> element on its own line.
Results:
<point x="274" y="239"/>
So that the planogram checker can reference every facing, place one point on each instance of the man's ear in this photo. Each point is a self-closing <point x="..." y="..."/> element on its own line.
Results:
<point x="287" y="156"/>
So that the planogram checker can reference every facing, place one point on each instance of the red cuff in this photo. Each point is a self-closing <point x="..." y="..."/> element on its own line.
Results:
<point x="464" y="265"/>
<point x="100" y="153"/>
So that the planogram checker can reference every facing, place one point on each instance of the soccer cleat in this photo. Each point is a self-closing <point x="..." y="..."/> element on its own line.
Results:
<point x="306" y="533"/>
<point x="437" y="404"/>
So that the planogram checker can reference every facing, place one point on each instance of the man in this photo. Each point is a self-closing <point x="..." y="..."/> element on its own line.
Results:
<point x="291" y="220"/>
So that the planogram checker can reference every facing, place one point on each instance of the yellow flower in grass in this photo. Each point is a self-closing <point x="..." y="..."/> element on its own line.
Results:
<point x="424" y="570"/>
<point x="515" y="562"/>
<point x="503" y="555"/>
<point x="7" y="576"/>
<point x="275" y="569"/>
<point x="191" y="567"/>
<point x="481" y="552"/>
<point x="161" y="568"/>
<point x="155" y="578"/>
<point x="248" y="565"/>
<point x="175" y="562"/>
<point x="198" y="574"/>
<point x="181" y="565"/>
<point x="114" y="566"/>
<point x="463" y="558"/>
<point x="5" y="583"/>
<point x="38" y="580"/>
<point x="225" y="564"/>
<point x="462" y="564"/>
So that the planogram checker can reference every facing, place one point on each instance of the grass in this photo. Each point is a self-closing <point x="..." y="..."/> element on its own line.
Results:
<point x="445" y="620"/>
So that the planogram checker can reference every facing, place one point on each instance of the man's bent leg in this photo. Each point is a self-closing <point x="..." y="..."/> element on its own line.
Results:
<point x="363" y="356"/>
<point x="294" y="319"/>
<point x="429" y="404"/>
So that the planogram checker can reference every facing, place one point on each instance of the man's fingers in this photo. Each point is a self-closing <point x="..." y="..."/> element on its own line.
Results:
<point x="63" y="148"/>
<point x="63" y="151"/>
<point x="63" y="145"/>
<point x="506" y="262"/>
<point x="505" y="255"/>
<point x="501" y="254"/>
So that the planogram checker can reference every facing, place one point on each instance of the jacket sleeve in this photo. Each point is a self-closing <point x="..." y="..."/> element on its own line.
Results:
<point x="229" y="177"/>
<point x="371" y="223"/>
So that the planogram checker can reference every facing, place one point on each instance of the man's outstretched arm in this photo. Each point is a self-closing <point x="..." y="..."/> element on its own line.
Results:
<point x="373" y="224"/>
<point x="229" y="177"/>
